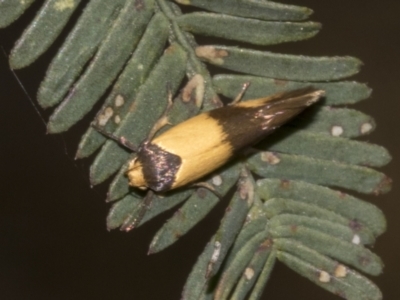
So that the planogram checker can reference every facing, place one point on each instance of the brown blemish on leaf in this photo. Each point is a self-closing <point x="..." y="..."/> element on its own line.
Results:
<point x="132" y="108"/>
<point x="364" y="261"/>
<point x="170" y="49"/>
<point x="228" y="209"/>
<point x="342" y="195"/>
<point x="355" y="225"/>
<point x="280" y="82"/>
<point x="265" y="245"/>
<point x="285" y="184"/>
<point x="202" y="192"/>
<point x="383" y="187"/>
<point x="293" y="228"/>
<point x="178" y="214"/>
<point x="211" y="54"/>
<point x="194" y="89"/>
<point x="139" y="5"/>
<point x="340" y="294"/>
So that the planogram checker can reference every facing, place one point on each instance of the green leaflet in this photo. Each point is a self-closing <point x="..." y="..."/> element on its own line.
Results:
<point x="247" y="30"/>
<point x="119" y="187"/>
<point x="122" y="211"/>
<point x="196" y="283"/>
<point x="263" y="10"/>
<point x="233" y="220"/>
<point x="252" y="272"/>
<point x="196" y="286"/>
<point x="276" y="207"/>
<point x="327" y="273"/>
<point x="362" y="213"/>
<point x="236" y="268"/>
<point x="323" y="172"/>
<point x="279" y="224"/>
<point x="280" y="66"/>
<point x="79" y="47"/>
<point x="263" y="277"/>
<point x="347" y="252"/>
<point x="256" y="222"/>
<point x="104" y="67"/>
<point x="343" y="122"/>
<point x="10" y="10"/>
<point x="42" y="32"/>
<point x="125" y="212"/>
<point x="309" y="143"/>
<point x="299" y="222"/>
<point x="336" y="93"/>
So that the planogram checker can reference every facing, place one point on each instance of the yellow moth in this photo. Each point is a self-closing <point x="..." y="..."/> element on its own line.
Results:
<point x="194" y="148"/>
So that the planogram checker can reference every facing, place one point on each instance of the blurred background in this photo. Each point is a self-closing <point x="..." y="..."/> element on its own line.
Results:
<point x="54" y="243"/>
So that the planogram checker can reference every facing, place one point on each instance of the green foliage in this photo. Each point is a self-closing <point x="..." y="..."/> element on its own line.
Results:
<point x="292" y="214"/>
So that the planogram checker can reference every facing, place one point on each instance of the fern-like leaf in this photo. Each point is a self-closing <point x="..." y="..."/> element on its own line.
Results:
<point x="292" y="214"/>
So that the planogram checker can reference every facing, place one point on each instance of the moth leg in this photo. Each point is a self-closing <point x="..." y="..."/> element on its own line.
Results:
<point x="163" y="120"/>
<point x="134" y="220"/>
<point x="119" y="139"/>
<point x="241" y="93"/>
<point x="207" y="186"/>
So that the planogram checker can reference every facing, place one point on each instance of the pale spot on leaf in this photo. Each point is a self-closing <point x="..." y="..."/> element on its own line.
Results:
<point x="356" y="239"/>
<point x="366" y="128"/>
<point x="64" y="4"/>
<point x="249" y="273"/>
<point x="217" y="180"/>
<point x="324" y="276"/>
<point x="340" y="271"/>
<point x="119" y="101"/>
<point x="105" y="116"/>
<point x="337" y="130"/>
<point x="270" y="158"/>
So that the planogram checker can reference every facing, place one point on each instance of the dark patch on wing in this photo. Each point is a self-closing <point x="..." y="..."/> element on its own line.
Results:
<point x="159" y="167"/>
<point x="245" y="126"/>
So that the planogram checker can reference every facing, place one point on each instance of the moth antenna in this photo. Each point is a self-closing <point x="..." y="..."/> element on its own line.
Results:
<point x="119" y="139"/>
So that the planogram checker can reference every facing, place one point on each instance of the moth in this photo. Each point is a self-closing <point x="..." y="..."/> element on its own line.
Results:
<point x="196" y="147"/>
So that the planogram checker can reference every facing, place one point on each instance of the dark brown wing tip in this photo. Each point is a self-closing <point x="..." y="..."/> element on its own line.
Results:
<point x="303" y="97"/>
<point x="315" y="96"/>
<point x="309" y="91"/>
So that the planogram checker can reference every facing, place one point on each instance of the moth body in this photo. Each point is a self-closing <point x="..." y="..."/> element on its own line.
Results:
<point x="196" y="147"/>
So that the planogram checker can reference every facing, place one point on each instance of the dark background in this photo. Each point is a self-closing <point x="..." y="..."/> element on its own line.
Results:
<point x="53" y="240"/>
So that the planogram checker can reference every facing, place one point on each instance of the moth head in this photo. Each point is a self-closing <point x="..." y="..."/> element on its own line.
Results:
<point x="135" y="174"/>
